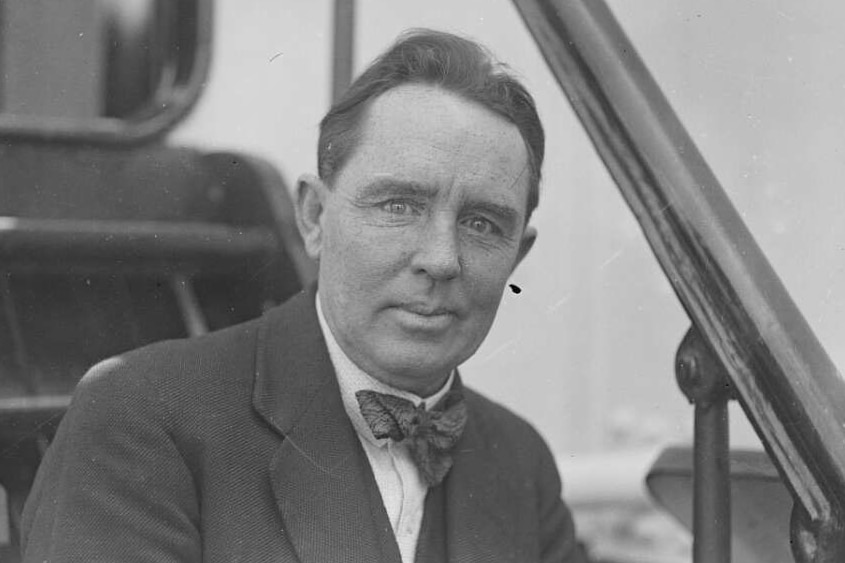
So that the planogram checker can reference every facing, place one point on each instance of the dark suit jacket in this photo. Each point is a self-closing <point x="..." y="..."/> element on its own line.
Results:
<point x="235" y="447"/>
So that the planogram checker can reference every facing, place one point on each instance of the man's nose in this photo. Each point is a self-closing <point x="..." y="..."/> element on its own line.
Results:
<point x="438" y="252"/>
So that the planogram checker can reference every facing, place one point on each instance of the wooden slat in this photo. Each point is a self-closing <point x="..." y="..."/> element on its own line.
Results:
<point x="26" y="418"/>
<point x="46" y="243"/>
<point x="41" y="403"/>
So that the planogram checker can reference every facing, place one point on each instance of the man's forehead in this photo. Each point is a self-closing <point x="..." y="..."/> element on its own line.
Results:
<point x="423" y="133"/>
<point x="424" y="109"/>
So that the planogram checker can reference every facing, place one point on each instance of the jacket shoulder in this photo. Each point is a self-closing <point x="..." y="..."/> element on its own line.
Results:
<point x="204" y="379"/>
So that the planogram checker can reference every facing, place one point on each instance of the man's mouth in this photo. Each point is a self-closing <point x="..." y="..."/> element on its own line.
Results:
<point x="425" y="317"/>
<point x="426" y="310"/>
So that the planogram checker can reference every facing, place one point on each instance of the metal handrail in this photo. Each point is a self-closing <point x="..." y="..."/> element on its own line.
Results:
<point x="788" y="386"/>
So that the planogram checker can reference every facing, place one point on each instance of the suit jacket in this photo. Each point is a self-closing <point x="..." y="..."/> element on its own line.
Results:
<point x="235" y="447"/>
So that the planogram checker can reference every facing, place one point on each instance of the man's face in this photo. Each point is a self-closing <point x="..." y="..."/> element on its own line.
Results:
<point x="419" y="234"/>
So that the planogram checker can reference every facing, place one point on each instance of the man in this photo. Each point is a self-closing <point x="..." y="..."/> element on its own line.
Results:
<point x="336" y="428"/>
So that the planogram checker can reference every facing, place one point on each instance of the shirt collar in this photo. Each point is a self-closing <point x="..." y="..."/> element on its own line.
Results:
<point x="352" y="379"/>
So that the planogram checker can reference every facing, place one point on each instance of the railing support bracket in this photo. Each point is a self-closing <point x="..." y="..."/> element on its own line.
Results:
<point x="705" y="383"/>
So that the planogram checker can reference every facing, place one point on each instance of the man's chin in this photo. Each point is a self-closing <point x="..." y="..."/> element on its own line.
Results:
<point x="415" y="366"/>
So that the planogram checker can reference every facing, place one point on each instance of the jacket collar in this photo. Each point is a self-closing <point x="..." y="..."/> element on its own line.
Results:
<point x="292" y="365"/>
<point x="322" y="481"/>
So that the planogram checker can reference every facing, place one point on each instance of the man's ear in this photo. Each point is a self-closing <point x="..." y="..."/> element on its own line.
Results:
<point x="311" y="194"/>
<point x="527" y="242"/>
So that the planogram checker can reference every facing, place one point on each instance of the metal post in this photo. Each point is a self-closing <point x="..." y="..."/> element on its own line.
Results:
<point x="343" y="47"/>
<point x="705" y="383"/>
<point x="711" y="501"/>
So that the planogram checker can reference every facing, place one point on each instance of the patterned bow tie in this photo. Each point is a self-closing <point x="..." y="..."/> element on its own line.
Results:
<point x="429" y="434"/>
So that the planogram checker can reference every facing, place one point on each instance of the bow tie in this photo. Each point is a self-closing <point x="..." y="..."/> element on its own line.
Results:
<point x="429" y="434"/>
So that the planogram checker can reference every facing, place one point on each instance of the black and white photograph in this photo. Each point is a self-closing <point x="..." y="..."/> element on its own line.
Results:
<point x="456" y="281"/>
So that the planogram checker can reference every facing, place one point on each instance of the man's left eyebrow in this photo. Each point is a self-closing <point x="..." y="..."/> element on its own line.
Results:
<point x="503" y="212"/>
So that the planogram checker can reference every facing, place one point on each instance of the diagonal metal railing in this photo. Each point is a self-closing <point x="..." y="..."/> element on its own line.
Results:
<point x="788" y="386"/>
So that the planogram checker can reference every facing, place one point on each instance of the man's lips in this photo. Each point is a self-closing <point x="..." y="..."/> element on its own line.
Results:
<point x="426" y="309"/>
<point x="425" y="318"/>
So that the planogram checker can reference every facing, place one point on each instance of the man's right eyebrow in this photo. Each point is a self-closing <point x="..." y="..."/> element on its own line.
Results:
<point x="394" y="187"/>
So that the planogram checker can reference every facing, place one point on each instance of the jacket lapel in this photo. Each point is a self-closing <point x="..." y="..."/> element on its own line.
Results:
<point x="482" y="522"/>
<point x="320" y="476"/>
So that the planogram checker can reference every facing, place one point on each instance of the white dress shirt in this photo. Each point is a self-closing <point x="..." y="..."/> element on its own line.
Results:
<point x="402" y="489"/>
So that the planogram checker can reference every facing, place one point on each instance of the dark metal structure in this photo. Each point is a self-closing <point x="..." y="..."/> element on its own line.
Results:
<point x="111" y="239"/>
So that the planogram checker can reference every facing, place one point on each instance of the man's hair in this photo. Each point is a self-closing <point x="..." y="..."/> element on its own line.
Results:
<point x="440" y="59"/>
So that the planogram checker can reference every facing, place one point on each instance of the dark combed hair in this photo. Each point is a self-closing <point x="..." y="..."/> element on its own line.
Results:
<point x="457" y="65"/>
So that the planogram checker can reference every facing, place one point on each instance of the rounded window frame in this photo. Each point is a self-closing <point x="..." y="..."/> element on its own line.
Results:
<point x="192" y="60"/>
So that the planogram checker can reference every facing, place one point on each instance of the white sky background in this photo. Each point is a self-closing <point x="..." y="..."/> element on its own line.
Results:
<point x="586" y="350"/>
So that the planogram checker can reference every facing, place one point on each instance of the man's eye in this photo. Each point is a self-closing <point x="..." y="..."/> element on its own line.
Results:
<point x="481" y="225"/>
<point x="397" y="207"/>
